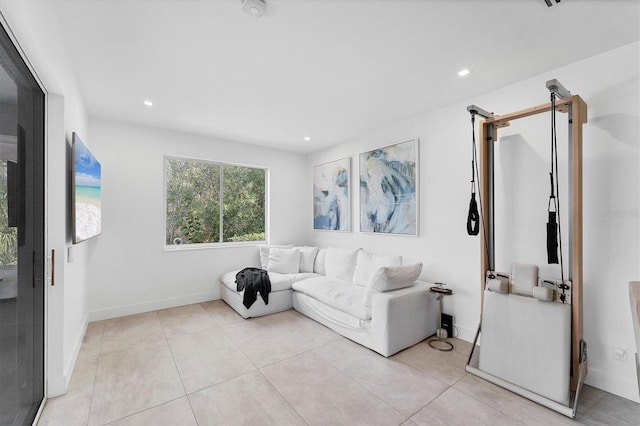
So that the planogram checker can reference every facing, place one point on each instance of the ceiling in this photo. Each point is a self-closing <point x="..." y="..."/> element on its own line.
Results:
<point x="331" y="70"/>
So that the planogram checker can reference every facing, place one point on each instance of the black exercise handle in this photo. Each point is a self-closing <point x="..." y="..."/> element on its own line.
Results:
<point x="473" y="218"/>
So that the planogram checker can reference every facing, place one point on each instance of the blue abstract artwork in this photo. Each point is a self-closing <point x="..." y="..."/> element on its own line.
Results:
<point x="331" y="195"/>
<point x="388" y="201"/>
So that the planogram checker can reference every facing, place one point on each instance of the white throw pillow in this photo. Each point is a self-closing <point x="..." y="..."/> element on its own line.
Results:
<point x="284" y="261"/>
<point x="307" y="258"/>
<point x="390" y="278"/>
<point x="341" y="263"/>
<point x="320" y="262"/>
<point x="368" y="264"/>
<point x="264" y="253"/>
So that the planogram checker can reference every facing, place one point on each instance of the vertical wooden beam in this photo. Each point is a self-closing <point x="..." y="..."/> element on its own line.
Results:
<point x="483" y="187"/>
<point x="578" y="118"/>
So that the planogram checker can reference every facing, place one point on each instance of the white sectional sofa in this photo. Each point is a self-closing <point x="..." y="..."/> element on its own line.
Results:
<point x="371" y="299"/>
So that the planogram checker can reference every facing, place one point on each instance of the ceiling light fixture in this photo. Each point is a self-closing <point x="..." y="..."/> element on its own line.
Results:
<point x="307" y="138"/>
<point x="148" y="103"/>
<point x="254" y="7"/>
<point x="465" y="72"/>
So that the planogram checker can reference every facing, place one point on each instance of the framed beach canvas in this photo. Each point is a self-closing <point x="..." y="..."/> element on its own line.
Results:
<point x="331" y="195"/>
<point x="86" y="192"/>
<point x="388" y="189"/>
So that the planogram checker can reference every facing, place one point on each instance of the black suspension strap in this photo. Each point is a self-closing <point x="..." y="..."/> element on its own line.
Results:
<point x="554" y="229"/>
<point x="552" y="206"/>
<point x="473" y="218"/>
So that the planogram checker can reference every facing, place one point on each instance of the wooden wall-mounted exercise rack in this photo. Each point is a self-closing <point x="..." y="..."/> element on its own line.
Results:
<point x="576" y="109"/>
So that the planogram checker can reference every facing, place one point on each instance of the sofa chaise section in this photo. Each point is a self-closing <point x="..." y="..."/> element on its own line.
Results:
<point x="280" y="298"/>
<point x="396" y="319"/>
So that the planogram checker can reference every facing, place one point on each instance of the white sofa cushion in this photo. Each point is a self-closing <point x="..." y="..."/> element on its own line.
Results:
<point x="279" y="282"/>
<point x="390" y="278"/>
<point x="307" y="258"/>
<point x="394" y="277"/>
<point x="319" y="266"/>
<point x="284" y="261"/>
<point x="336" y="293"/>
<point x="264" y="253"/>
<point x="368" y="263"/>
<point x="341" y="263"/>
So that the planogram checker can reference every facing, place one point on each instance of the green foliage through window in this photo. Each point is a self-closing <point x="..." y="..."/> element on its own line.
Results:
<point x="8" y="235"/>
<point x="195" y="192"/>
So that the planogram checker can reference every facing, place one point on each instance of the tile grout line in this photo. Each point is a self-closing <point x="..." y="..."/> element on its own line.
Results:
<point x="434" y="378"/>
<point x="240" y="350"/>
<point x="145" y="409"/>
<point x="277" y="390"/>
<point x="283" y="397"/>
<point x="221" y="327"/>
<point x="175" y="364"/>
<point x="337" y="370"/>
<point x="362" y="386"/>
<point x="95" y="374"/>
<point x="225" y="380"/>
<point x="389" y="403"/>
<point x="186" y="395"/>
<point x="429" y="403"/>
<point x="136" y="346"/>
<point x="166" y="339"/>
<point x="482" y="402"/>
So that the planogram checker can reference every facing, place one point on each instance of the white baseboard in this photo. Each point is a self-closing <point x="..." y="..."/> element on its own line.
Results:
<point x="68" y="370"/>
<point x="465" y="333"/>
<point x="59" y="385"/>
<point x="139" y="308"/>
<point x="56" y="386"/>
<point x="624" y="387"/>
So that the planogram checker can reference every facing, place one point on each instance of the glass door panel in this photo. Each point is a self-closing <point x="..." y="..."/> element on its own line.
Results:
<point x="21" y="239"/>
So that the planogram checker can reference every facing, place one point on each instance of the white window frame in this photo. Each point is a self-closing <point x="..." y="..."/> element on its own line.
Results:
<point x="220" y="244"/>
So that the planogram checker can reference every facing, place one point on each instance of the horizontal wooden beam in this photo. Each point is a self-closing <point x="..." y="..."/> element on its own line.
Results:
<point x="562" y="105"/>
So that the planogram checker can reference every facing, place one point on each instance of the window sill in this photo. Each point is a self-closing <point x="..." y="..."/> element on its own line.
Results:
<point x="189" y="247"/>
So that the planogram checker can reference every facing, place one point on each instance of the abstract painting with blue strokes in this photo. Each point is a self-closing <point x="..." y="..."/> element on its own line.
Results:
<point x="331" y="195"/>
<point x="388" y="189"/>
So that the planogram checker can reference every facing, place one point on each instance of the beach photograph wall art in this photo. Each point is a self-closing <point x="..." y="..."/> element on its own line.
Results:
<point x="87" y="186"/>
<point x="388" y="179"/>
<point x="331" y="195"/>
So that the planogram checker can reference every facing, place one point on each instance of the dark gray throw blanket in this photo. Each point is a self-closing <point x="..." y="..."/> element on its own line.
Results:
<point x="253" y="281"/>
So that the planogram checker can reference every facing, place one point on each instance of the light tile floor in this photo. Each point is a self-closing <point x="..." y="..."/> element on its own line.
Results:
<point x="203" y="364"/>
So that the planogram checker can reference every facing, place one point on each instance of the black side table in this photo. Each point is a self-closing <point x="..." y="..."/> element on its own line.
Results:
<point x="440" y="343"/>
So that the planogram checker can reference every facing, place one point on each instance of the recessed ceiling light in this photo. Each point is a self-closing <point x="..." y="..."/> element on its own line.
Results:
<point x="254" y="7"/>
<point x="307" y="138"/>
<point x="465" y="72"/>
<point x="148" y="103"/>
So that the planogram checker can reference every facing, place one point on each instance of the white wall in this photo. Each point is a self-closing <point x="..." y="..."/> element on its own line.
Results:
<point x="609" y="85"/>
<point x="129" y="270"/>
<point x="37" y="31"/>
<point x="125" y="270"/>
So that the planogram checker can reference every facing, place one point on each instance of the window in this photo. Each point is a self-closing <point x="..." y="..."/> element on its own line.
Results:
<point x="210" y="202"/>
